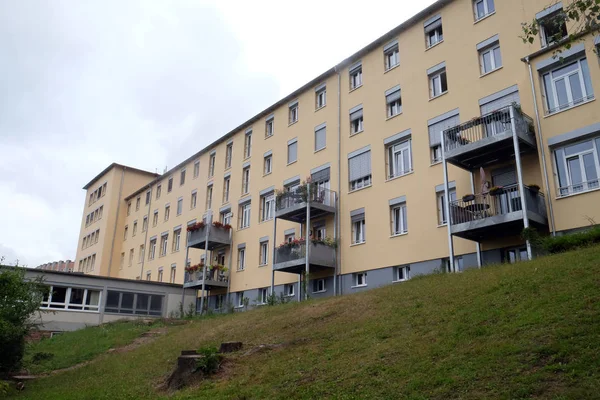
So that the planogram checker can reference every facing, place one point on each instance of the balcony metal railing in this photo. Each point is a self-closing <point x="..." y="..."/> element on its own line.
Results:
<point x="488" y="125"/>
<point x="211" y="275"/>
<point x="578" y="188"/>
<point x="320" y="254"/>
<point x="570" y="104"/>
<point x="506" y="201"/>
<point x="302" y="194"/>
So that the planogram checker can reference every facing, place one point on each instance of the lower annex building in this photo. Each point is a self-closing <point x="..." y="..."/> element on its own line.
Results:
<point x="430" y="149"/>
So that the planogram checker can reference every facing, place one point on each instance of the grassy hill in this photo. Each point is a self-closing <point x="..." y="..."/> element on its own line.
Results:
<point x="530" y="330"/>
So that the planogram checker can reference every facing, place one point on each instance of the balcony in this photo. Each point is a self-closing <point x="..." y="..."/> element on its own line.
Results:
<point x="217" y="237"/>
<point x="291" y="206"/>
<point x="501" y="214"/>
<point x="292" y="259"/>
<point x="488" y="139"/>
<point x="214" y="279"/>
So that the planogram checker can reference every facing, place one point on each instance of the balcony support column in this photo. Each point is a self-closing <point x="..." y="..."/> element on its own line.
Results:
<point x="520" y="177"/>
<point x="307" y="242"/>
<point x="274" y="252"/>
<point x="185" y="265"/>
<point x="229" y="265"/>
<point x="479" y="258"/>
<point x="335" y="253"/>
<point x="447" y="200"/>
<point x="208" y="226"/>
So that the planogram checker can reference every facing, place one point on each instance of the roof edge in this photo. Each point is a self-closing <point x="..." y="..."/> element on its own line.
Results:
<point x="116" y="165"/>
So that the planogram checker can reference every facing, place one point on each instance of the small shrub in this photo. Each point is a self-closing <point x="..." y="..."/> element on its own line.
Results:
<point x="571" y="241"/>
<point x="41" y="356"/>
<point x="210" y="362"/>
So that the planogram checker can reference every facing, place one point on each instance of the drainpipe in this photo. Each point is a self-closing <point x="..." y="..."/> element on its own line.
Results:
<point x="479" y="258"/>
<point x="206" y="259"/>
<point x="274" y="243"/>
<point x="229" y="266"/>
<point x="147" y="230"/>
<point x="447" y="200"/>
<point x="338" y="252"/>
<point x="307" y="242"/>
<point x="542" y="148"/>
<point x="112" y="244"/>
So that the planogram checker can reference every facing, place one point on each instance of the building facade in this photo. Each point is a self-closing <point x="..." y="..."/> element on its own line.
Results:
<point x="63" y="266"/>
<point x="431" y="149"/>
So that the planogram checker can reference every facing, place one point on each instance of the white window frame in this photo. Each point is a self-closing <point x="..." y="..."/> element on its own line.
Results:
<point x="494" y="63"/>
<point x="176" y="240"/>
<point x="544" y="39"/>
<point x="196" y="168"/>
<point x="436" y="158"/>
<point x="293" y="114"/>
<point x="361" y="183"/>
<point x="321" y="98"/>
<point x="436" y="38"/>
<point x="399" y="219"/>
<point x="586" y="184"/>
<point x="319" y="284"/>
<point x="269" y="127"/>
<point x="226" y="187"/>
<point x="211" y="165"/>
<point x="239" y="297"/>
<point x="193" y="200"/>
<point x="359" y="279"/>
<point x="209" y="195"/>
<point x="358" y="231"/>
<point x="394" y="108"/>
<point x="241" y="264"/>
<point x="246" y="180"/>
<point x="167" y="212"/>
<point x="173" y="274"/>
<point x="245" y="211"/>
<point x="264" y="254"/>
<point x="164" y="244"/>
<point x="397" y="152"/>
<point x="182" y="177"/>
<point x="356" y="79"/>
<point x="268" y="165"/>
<point x="486" y="9"/>
<point x="288" y="290"/>
<point x="391" y="57"/>
<point x="67" y="305"/>
<point x="179" y="206"/>
<point x="357" y="125"/>
<point x="248" y="144"/>
<point x="152" y="252"/>
<point x="267" y="207"/>
<point x="435" y="84"/>
<point x="565" y="77"/>
<point x="402" y="273"/>
<point x="263" y="295"/>
<point x="228" y="155"/>
<point x="441" y="206"/>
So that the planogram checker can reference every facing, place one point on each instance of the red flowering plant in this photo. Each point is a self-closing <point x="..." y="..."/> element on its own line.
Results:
<point x="195" y="227"/>
<point x="220" y="225"/>
<point x="292" y="243"/>
<point x="194" y="268"/>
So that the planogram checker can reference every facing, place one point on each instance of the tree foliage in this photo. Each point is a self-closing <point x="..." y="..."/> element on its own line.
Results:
<point x="582" y="16"/>
<point x="19" y="300"/>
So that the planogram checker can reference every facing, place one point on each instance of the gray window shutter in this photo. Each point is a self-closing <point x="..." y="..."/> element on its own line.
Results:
<point x="502" y="102"/>
<point x="504" y="177"/>
<point x="320" y="138"/>
<point x="392" y="96"/>
<point x="359" y="166"/>
<point x="356" y="115"/>
<point x="321" y="175"/>
<point x="433" y="23"/>
<point x="436" y="129"/>
<point x="292" y="152"/>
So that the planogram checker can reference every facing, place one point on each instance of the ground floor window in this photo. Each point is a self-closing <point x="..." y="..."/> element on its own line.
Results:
<point x="133" y="303"/>
<point x="401" y="274"/>
<point x="71" y="298"/>
<point x="359" y="279"/>
<point x="515" y="255"/>
<point x="318" y="285"/>
<point x="288" y="290"/>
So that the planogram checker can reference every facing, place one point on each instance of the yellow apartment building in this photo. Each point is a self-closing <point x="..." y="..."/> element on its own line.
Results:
<point x="431" y="149"/>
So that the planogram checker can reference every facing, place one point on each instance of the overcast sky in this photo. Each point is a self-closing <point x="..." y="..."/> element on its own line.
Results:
<point x="145" y="83"/>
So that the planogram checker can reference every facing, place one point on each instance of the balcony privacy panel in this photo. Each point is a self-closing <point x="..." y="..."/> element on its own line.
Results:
<point x="500" y="103"/>
<point x="359" y="166"/>
<point x="504" y="177"/>
<point x="435" y="130"/>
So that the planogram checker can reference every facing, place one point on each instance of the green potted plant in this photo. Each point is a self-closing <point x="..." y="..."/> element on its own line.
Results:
<point x="534" y="188"/>
<point x="496" y="191"/>
<point x="468" y="197"/>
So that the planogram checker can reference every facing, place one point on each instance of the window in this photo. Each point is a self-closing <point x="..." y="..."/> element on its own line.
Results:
<point x="578" y="166"/>
<point x="288" y="289"/>
<point x="552" y="25"/>
<point x="248" y="144"/>
<point x="490" y="58"/>
<point x="122" y="261"/>
<point x="264" y="253"/>
<point x="148" y="196"/>
<point x="145" y="224"/>
<point x="241" y="258"/>
<point x="269" y="127"/>
<point x="70" y="298"/>
<point x="137" y="204"/>
<point x="193" y="200"/>
<point x="268" y="164"/>
<point x="438" y="84"/>
<point x="292" y="151"/>
<point x="320" y="137"/>
<point x="196" y="168"/>
<point x="245" y="215"/>
<point x="441" y="205"/>
<point x="293" y="113"/>
<point x="128" y="209"/>
<point x="459" y="264"/>
<point x="263" y="295"/>
<point x="289" y="237"/>
<point x="141" y="255"/>
<point x="399" y="159"/>
<point x="319" y="286"/>
<point x="228" y="155"/>
<point x="179" y="205"/>
<point x="356" y="120"/>
<point x="360" y="279"/>
<point x="391" y="56"/>
<point x="358" y="226"/>
<point x="225" y="217"/>
<point x="433" y="31"/>
<point x="319" y="229"/>
<point x="152" y="252"/>
<point x="211" y="165"/>
<point x="133" y="303"/>
<point x="483" y="8"/>
<point x="356" y="76"/>
<point x="134" y="228"/>
<point x="221" y="258"/>
<point x="435" y="127"/>
<point x="246" y="180"/>
<point x="167" y="212"/>
<point x="401" y="274"/>
<point x="209" y="193"/>
<point x="158" y="191"/>
<point x="267" y="204"/>
<point x="159" y="278"/>
<point x="176" y="240"/>
<point x="164" y="239"/>
<point x="359" y="169"/>
<point x="436" y="153"/>
<point x="320" y="96"/>
<point x="130" y="257"/>
<point x="173" y="274"/>
<point x="393" y="100"/>
<point x="148" y="275"/>
<point x="182" y="177"/>
<point x="567" y="85"/>
<point x="239" y="299"/>
<point x="399" y="219"/>
<point x="516" y="255"/>
<point x="170" y="184"/>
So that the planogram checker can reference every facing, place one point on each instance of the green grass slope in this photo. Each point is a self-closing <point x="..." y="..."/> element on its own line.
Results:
<point x="530" y="330"/>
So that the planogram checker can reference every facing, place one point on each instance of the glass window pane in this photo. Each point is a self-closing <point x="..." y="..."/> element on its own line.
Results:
<point x="579" y="148"/>
<point x="127" y="301"/>
<point x="575" y="170"/>
<point x="576" y="90"/>
<point x="76" y="296"/>
<point x="487" y="61"/>
<point x="142" y="302"/>
<point x="59" y="294"/>
<point x="93" y="298"/>
<point x="480" y="9"/>
<point x="112" y="299"/>
<point x="156" y="303"/>
<point x="561" y="93"/>
<point x="589" y="164"/>
<point x="586" y="78"/>
<point x="491" y="6"/>
<point x="565" y="70"/>
<point x="497" y="57"/>
<point x="549" y="92"/>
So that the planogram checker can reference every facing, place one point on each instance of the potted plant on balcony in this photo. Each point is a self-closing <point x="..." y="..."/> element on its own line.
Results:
<point x="468" y="198"/>
<point x="535" y="189"/>
<point x="496" y="191"/>
<point x="195" y="227"/>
